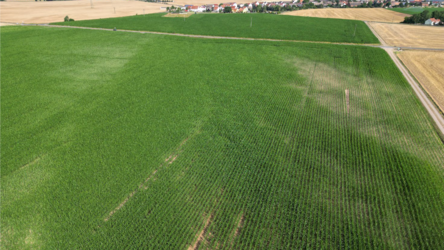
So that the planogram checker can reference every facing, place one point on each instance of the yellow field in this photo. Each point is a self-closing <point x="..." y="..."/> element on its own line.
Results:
<point x="404" y="35"/>
<point x="182" y="15"/>
<point x="428" y="69"/>
<point x="365" y="14"/>
<point x="47" y="12"/>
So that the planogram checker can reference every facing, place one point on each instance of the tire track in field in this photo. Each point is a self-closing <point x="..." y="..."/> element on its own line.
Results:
<point x="207" y="36"/>
<point x="143" y="185"/>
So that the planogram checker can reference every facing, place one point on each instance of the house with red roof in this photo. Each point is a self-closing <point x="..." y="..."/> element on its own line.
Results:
<point x="195" y="8"/>
<point x="432" y="21"/>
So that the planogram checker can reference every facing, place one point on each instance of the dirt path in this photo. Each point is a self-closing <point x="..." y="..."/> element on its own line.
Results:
<point x="428" y="104"/>
<point x="431" y="108"/>
<point x="205" y="36"/>
<point x="376" y="34"/>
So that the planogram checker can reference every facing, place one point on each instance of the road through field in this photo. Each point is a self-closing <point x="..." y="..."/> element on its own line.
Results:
<point x="431" y="108"/>
<point x="427" y="70"/>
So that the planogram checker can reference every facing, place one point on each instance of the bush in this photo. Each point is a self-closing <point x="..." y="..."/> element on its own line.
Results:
<point x="67" y="19"/>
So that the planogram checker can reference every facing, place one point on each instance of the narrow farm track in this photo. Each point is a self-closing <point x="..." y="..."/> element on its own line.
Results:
<point x="431" y="108"/>
<point x="202" y="36"/>
<point x="429" y="105"/>
<point x="383" y="46"/>
<point x="434" y="113"/>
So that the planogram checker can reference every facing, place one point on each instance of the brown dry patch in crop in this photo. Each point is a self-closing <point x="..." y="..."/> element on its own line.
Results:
<point x="376" y="14"/>
<point x="55" y="11"/>
<point x="404" y="35"/>
<point x="428" y="69"/>
<point x="367" y="107"/>
<point x="201" y="236"/>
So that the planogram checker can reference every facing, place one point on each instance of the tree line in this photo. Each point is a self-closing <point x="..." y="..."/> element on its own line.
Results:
<point x="423" y="16"/>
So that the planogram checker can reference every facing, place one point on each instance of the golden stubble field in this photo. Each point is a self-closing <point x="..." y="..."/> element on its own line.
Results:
<point x="47" y="12"/>
<point x="374" y="14"/>
<point x="405" y="35"/>
<point x="428" y="69"/>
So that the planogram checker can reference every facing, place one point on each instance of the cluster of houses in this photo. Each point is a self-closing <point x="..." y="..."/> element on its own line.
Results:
<point x="435" y="3"/>
<point x="235" y="8"/>
<point x="249" y="7"/>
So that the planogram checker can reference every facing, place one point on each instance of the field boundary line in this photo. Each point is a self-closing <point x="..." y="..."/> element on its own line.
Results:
<point x="421" y="86"/>
<point x="376" y="34"/>
<point x="430" y="107"/>
<point x="211" y="37"/>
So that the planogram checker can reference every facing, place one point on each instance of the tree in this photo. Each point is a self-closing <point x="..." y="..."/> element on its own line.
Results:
<point x="227" y="9"/>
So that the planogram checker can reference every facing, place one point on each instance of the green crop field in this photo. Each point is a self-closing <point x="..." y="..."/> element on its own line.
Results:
<point x="415" y="10"/>
<point x="118" y="140"/>
<point x="238" y="25"/>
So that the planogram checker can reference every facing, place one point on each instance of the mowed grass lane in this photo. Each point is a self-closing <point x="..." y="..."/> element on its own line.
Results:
<point x="243" y="25"/>
<point x="123" y="140"/>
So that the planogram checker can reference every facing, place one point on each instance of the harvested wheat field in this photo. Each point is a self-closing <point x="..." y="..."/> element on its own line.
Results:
<point x="376" y="15"/>
<point x="405" y="35"/>
<point x="428" y="69"/>
<point x="47" y="12"/>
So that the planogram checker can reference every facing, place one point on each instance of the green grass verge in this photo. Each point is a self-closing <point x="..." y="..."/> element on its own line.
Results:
<point x="415" y="10"/>
<point x="238" y="25"/>
<point x="249" y="142"/>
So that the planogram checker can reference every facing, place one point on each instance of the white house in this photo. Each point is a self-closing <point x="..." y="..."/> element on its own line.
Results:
<point x="197" y="8"/>
<point x="432" y="21"/>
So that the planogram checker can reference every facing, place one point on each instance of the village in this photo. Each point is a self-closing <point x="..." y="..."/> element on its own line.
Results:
<point x="274" y="7"/>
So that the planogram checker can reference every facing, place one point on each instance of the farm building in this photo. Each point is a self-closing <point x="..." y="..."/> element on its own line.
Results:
<point x="432" y="21"/>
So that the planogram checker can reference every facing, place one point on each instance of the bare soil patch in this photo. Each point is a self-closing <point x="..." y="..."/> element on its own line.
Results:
<point x="55" y="11"/>
<point x="120" y="205"/>
<point x="405" y="35"/>
<point x="375" y="14"/>
<point x="428" y="69"/>
<point x="201" y="235"/>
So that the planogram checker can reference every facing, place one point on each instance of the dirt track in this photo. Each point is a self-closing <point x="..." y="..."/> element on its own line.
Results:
<point x="428" y="69"/>
<point x="431" y="108"/>
<point x="47" y="12"/>
<point x="365" y="14"/>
